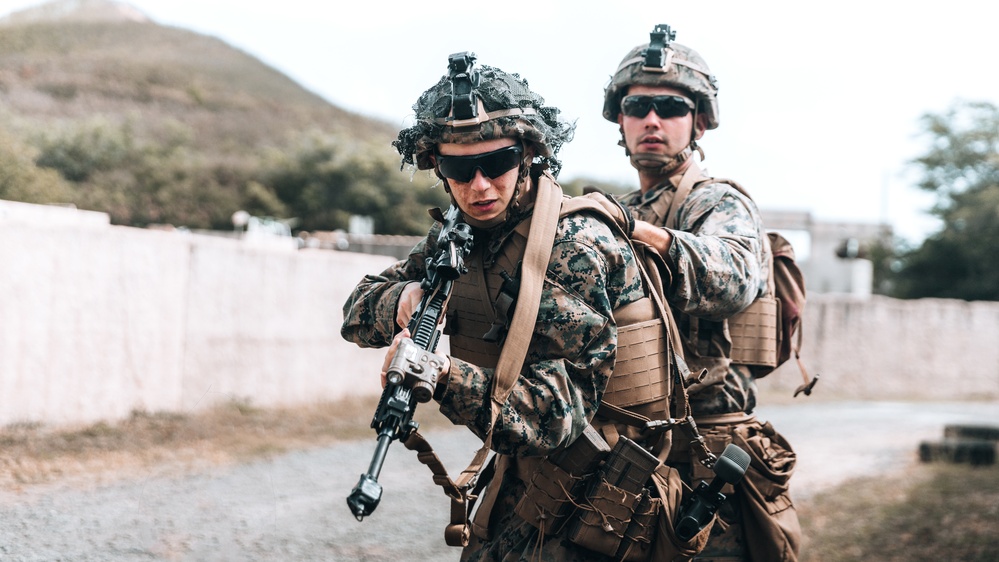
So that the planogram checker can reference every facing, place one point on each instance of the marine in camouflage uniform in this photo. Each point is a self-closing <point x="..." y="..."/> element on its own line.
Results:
<point x="572" y="352"/>
<point x="664" y="98"/>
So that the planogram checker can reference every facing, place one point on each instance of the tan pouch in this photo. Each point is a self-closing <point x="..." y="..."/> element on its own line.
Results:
<point x="547" y="503"/>
<point x="637" y="527"/>
<point x="553" y="482"/>
<point x="666" y="546"/>
<point x="770" y="520"/>
<point x="636" y="545"/>
<point x="754" y="333"/>
<point x="603" y="521"/>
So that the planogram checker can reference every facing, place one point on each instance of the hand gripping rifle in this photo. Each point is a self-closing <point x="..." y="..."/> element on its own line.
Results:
<point x="412" y="374"/>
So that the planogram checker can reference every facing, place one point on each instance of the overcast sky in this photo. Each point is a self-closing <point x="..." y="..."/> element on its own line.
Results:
<point x="820" y="102"/>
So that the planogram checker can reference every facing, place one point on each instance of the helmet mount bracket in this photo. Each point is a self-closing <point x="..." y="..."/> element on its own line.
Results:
<point x="658" y="54"/>
<point x="464" y="81"/>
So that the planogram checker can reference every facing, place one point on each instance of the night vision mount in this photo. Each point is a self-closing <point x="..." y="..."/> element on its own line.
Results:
<point x="656" y="54"/>
<point x="464" y="82"/>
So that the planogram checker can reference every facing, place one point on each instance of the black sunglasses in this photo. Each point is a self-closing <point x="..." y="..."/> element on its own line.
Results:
<point x="665" y="106"/>
<point x="493" y="164"/>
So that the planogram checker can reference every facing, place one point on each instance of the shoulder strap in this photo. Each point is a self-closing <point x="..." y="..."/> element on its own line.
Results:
<point x="691" y="177"/>
<point x="540" y="238"/>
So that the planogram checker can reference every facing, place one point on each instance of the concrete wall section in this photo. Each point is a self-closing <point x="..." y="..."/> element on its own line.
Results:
<point x="98" y="321"/>
<point x="90" y="322"/>
<point x="898" y="349"/>
<point x="264" y="325"/>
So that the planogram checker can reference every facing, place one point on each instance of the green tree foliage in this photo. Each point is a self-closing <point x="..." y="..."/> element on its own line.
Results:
<point x="962" y="168"/>
<point x="21" y="180"/>
<point x="142" y="181"/>
<point x="81" y="150"/>
<point x="325" y="180"/>
<point x="319" y="179"/>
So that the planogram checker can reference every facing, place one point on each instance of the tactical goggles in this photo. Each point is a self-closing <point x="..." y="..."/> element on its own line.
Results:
<point x="493" y="164"/>
<point x="665" y="106"/>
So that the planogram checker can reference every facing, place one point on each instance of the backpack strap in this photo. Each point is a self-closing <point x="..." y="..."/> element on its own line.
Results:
<point x="688" y="181"/>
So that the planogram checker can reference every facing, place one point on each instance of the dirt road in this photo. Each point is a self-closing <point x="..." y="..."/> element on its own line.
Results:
<point x="293" y="507"/>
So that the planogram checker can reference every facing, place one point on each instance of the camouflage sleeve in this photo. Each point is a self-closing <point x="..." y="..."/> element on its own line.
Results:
<point x="572" y="350"/>
<point x="717" y="253"/>
<point x="369" y="313"/>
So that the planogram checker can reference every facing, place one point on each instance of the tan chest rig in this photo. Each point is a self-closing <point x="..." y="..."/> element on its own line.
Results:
<point x="638" y="394"/>
<point x="483" y="302"/>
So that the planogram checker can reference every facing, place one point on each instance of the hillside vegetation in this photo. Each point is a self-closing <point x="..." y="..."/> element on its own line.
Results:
<point x="154" y="124"/>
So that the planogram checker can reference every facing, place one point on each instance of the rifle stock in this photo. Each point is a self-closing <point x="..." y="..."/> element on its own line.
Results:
<point x="413" y="371"/>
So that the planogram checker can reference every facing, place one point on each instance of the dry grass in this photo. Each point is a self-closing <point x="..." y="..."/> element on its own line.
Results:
<point x="148" y="442"/>
<point x="929" y="513"/>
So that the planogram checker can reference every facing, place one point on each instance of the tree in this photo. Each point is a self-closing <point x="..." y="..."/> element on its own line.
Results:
<point x="962" y="168"/>
<point x="21" y="180"/>
<point x="324" y="180"/>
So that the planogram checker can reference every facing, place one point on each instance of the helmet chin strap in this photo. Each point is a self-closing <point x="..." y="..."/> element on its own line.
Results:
<point x="660" y="164"/>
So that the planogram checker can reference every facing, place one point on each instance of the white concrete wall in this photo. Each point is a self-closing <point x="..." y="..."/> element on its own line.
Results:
<point x="97" y="321"/>
<point x="898" y="349"/>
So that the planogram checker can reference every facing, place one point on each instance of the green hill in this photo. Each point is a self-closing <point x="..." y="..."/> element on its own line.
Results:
<point x="160" y="124"/>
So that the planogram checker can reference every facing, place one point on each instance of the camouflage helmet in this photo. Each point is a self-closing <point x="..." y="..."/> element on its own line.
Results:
<point x="660" y="62"/>
<point x="470" y="105"/>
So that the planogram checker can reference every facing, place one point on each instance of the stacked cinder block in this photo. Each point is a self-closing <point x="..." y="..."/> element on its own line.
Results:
<point x="971" y="444"/>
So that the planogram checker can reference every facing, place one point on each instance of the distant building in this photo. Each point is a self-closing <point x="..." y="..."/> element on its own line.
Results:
<point x="819" y="246"/>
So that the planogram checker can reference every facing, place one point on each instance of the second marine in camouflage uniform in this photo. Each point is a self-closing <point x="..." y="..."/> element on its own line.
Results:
<point x="719" y="267"/>
<point x="663" y="97"/>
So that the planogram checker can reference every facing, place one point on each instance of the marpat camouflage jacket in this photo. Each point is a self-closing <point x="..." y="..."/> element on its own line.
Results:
<point x="719" y="265"/>
<point x="572" y="351"/>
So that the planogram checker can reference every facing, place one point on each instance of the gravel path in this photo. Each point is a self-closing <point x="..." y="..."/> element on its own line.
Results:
<point x="293" y="507"/>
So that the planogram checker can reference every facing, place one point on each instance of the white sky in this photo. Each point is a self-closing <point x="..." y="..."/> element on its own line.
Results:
<point x="819" y="102"/>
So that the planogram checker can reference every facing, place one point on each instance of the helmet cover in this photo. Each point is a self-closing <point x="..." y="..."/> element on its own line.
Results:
<point x="661" y="62"/>
<point x="470" y="105"/>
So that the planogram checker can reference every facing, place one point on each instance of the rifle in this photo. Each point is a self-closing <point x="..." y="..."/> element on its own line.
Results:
<point x="413" y="371"/>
